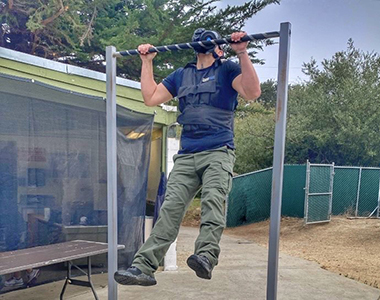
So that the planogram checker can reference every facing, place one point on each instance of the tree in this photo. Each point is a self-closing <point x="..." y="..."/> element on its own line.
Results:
<point x="334" y="117"/>
<point x="77" y="31"/>
<point x="48" y="28"/>
<point x="254" y="137"/>
<point x="268" y="95"/>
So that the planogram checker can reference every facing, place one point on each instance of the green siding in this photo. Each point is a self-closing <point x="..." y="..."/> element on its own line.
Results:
<point x="128" y="97"/>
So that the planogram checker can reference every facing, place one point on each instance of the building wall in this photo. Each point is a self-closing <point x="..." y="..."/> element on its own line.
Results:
<point x="79" y="80"/>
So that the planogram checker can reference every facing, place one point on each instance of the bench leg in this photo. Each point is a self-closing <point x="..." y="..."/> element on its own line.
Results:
<point x="63" y="289"/>
<point x="68" y="276"/>
<point x="87" y="283"/>
<point x="89" y="277"/>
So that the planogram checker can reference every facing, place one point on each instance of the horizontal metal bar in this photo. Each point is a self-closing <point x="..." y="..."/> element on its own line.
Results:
<point x="254" y="172"/>
<point x="319" y="194"/>
<point x="321" y="165"/>
<point x="205" y="44"/>
<point x="79" y="282"/>
<point x="316" y="222"/>
<point x="348" y="167"/>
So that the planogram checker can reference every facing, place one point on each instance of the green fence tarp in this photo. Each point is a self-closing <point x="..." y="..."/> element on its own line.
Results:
<point x="345" y="190"/>
<point x="250" y="197"/>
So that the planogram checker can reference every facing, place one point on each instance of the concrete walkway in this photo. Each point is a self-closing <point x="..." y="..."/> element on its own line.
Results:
<point x="241" y="274"/>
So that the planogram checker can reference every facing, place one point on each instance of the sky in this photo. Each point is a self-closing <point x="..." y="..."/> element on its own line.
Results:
<point x="320" y="28"/>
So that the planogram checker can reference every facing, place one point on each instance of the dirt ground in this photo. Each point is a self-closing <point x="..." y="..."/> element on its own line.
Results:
<point x="349" y="247"/>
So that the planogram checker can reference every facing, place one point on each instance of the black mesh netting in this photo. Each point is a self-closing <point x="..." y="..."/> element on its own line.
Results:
<point x="53" y="172"/>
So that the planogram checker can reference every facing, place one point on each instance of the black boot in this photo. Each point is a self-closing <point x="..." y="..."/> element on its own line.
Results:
<point x="201" y="265"/>
<point x="134" y="276"/>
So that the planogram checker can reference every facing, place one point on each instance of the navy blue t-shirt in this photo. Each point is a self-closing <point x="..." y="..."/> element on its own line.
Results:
<point x="196" y="138"/>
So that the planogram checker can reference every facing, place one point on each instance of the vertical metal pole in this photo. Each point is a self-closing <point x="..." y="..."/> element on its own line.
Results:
<point x="111" y="170"/>
<point x="306" y="206"/>
<point x="358" y="192"/>
<point x="378" y="201"/>
<point x="332" y="173"/>
<point x="278" y="160"/>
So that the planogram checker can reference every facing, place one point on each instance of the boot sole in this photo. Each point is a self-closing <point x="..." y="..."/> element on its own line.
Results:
<point x="130" y="279"/>
<point x="197" y="266"/>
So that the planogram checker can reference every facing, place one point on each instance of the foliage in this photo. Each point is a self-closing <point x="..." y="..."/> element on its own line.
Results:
<point x="334" y="117"/>
<point x="193" y="214"/>
<point x="254" y="128"/>
<point x="268" y="94"/>
<point x="77" y="31"/>
<point x="48" y="28"/>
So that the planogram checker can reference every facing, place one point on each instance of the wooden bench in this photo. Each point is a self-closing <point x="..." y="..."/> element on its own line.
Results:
<point x="20" y="260"/>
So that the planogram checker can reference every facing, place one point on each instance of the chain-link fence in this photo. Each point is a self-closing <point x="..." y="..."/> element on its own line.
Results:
<point x="318" y="193"/>
<point x="345" y="190"/>
<point x="368" y="200"/>
<point x="356" y="191"/>
<point x="353" y="191"/>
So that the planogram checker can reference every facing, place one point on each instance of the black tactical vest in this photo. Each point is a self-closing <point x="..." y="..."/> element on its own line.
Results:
<point x="198" y="101"/>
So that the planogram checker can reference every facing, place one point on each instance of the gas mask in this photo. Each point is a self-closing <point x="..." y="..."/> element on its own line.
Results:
<point x="202" y="34"/>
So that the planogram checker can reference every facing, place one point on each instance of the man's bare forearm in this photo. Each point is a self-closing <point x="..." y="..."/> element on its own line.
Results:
<point x="249" y="79"/>
<point x="148" y="85"/>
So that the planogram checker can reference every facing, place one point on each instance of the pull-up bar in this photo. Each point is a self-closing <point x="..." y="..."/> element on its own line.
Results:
<point x="204" y="44"/>
<point x="278" y="152"/>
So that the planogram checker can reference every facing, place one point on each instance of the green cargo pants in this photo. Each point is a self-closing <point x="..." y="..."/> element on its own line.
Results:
<point x="210" y="170"/>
